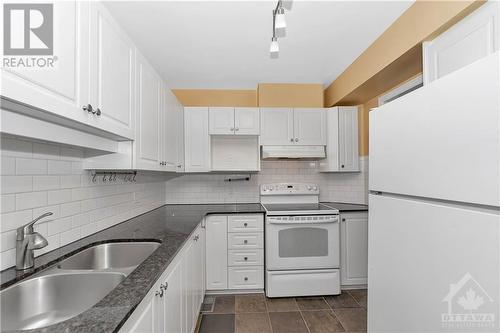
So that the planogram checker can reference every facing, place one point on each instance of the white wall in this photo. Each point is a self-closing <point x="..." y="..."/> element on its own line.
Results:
<point x="211" y="188"/>
<point x="37" y="178"/>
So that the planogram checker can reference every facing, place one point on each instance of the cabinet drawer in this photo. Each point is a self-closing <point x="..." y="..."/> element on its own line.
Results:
<point x="245" y="223"/>
<point x="246" y="277"/>
<point x="245" y="257"/>
<point x="245" y="241"/>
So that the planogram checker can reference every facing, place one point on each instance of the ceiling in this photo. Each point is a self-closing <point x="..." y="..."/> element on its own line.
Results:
<point x="225" y="44"/>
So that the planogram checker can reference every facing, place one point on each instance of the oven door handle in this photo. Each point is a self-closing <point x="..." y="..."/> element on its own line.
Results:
<point x="274" y="221"/>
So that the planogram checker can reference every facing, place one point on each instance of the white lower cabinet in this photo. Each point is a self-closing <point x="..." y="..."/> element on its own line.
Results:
<point x="235" y="252"/>
<point x="173" y="304"/>
<point x="353" y="248"/>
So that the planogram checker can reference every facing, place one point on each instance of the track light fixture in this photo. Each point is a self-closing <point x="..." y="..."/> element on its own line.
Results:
<point x="279" y="24"/>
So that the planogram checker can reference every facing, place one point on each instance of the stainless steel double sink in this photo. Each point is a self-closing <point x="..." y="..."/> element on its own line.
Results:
<point x="72" y="286"/>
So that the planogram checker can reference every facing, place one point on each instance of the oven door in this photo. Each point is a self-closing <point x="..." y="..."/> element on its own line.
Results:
<point x="302" y="242"/>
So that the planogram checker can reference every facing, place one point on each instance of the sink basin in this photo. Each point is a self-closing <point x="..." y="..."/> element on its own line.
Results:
<point x="50" y="299"/>
<point x="110" y="256"/>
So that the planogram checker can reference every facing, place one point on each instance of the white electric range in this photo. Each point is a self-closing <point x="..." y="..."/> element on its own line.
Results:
<point x="302" y="241"/>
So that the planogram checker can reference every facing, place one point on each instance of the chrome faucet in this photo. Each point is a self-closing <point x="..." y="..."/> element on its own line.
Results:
<point x="28" y="240"/>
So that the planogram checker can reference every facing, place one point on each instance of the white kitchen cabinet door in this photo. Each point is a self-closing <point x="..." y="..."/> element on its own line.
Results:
<point x="61" y="90"/>
<point x="196" y="140"/>
<point x="216" y="252"/>
<point x="309" y="127"/>
<point x="146" y="321"/>
<point x="247" y="121"/>
<point x="170" y="132"/>
<point x="354" y="248"/>
<point x="221" y="120"/>
<point x="474" y="37"/>
<point x="112" y="74"/>
<point x="147" y="144"/>
<point x="172" y="301"/>
<point x="348" y="139"/>
<point x="276" y="126"/>
<point x="179" y="120"/>
<point x="342" y="140"/>
<point x="200" y="270"/>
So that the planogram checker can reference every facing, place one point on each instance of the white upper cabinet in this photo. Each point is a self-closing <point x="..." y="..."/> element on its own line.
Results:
<point x="247" y="121"/>
<point x="286" y="126"/>
<point x="112" y="63"/>
<point x="309" y="127"/>
<point x="179" y="120"/>
<point x="147" y="145"/>
<point x="221" y="120"/>
<point x="276" y="126"/>
<point x="170" y="131"/>
<point x="229" y="120"/>
<point x="196" y="140"/>
<point x="342" y="140"/>
<point x="476" y="36"/>
<point x="61" y="90"/>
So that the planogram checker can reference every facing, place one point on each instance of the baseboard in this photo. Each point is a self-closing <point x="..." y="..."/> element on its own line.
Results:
<point x="234" y="291"/>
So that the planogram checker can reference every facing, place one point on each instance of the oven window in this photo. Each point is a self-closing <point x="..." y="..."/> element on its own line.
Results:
<point x="303" y="242"/>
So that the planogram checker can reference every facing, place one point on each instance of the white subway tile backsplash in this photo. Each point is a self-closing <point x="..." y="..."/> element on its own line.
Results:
<point x="14" y="220"/>
<point x="31" y="200"/>
<point x="71" y="181"/>
<point x="70" y="209"/>
<point x="16" y="184"/>
<point x="26" y="166"/>
<point x="43" y="183"/>
<point x="59" y="196"/>
<point x="58" y="226"/>
<point x="51" y="178"/>
<point x="59" y="167"/>
<point x="70" y="236"/>
<point x="8" y="166"/>
<point x="8" y="203"/>
<point x="8" y="258"/>
<point x="8" y="240"/>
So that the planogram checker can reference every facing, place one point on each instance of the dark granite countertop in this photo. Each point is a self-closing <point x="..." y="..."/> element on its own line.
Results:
<point x="346" y="207"/>
<point x="170" y="224"/>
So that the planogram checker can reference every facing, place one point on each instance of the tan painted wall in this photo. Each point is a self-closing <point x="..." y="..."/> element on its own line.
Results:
<point x="216" y="97"/>
<point x="422" y="21"/>
<point x="267" y="94"/>
<point x="290" y="95"/>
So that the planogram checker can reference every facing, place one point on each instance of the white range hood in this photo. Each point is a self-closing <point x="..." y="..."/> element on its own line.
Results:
<point x="294" y="152"/>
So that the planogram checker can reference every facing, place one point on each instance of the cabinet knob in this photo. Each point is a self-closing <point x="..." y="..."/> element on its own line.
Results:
<point x="342" y="166"/>
<point x="245" y="224"/>
<point x="237" y="129"/>
<point x="296" y="139"/>
<point x="179" y="166"/>
<point x="343" y="220"/>
<point x="246" y="258"/>
<point x="245" y="242"/>
<point x="164" y="286"/>
<point x="98" y="112"/>
<point x="88" y="108"/>
<point x="231" y="129"/>
<point x="246" y="279"/>
<point x="291" y="140"/>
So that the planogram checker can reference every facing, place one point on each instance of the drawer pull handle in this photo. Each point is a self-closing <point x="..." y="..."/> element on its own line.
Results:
<point x="245" y="224"/>
<point x="245" y="242"/>
<point x="246" y="279"/>
<point x="246" y="258"/>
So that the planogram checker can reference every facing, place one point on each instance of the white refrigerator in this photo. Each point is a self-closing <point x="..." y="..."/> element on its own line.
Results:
<point x="434" y="231"/>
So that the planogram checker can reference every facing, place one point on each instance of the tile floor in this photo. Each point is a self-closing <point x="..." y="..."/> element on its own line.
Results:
<point x="254" y="313"/>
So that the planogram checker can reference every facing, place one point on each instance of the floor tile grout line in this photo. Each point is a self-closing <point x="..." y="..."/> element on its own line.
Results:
<point x="305" y="322"/>
<point x="268" y="315"/>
